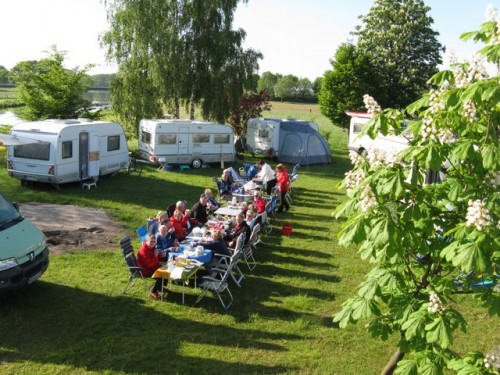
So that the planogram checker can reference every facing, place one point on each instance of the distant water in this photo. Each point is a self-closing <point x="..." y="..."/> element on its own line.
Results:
<point x="9" y="118"/>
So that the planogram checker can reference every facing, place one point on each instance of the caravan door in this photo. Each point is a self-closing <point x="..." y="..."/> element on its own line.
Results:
<point x="183" y="145"/>
<point x="83" y="155"/>
<point x="94" y="155"/>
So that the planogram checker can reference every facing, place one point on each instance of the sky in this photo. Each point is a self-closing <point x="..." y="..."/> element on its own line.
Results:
<point x="296" y="37"/>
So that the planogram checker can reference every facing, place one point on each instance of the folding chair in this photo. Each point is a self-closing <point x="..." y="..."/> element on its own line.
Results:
<point x="217" y="282"/>
<point x="240" y="181"/>
<point x="265" y="224"/>
<point x="294" y="178"/>
<point x="153" y="226"/>
<point x="142" y="232"/>
<point x="271" y="206"/>
<point x="224" y="261"/>
<point x="221" y="190"/>
<point x="247" y="251"/>
<point x="294" y="171"/>
<point x="131" y="262"/>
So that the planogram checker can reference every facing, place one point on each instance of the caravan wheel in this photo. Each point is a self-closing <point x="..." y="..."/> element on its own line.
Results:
<point x="197" y="163"/>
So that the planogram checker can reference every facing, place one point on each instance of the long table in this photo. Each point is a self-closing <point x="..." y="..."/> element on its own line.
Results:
<point x="228" y="211"/>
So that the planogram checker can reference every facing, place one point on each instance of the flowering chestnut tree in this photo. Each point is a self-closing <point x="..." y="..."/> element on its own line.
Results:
<point x="426" y="240"/>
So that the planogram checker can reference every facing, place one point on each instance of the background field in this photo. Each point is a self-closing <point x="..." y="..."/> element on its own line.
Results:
<point x="75" y="320"/>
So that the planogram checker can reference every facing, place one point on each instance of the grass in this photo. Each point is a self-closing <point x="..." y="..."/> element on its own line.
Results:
<point x="75" y="320"/>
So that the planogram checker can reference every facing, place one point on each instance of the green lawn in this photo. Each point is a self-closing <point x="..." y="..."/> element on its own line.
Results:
<point x="75" y="320"/>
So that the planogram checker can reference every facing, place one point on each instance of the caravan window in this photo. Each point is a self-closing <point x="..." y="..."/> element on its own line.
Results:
<point x="38" y="151"/>
<point x="167" y="139"/>
<point x="113" y="143"/>
<point x="221" y="138"/>
<point x="201" y="138"/>
<point x="357" y="128"/>
<point x="263" y="133"/>
<point x="145" y="137"/>
<point x="67" y="149"/>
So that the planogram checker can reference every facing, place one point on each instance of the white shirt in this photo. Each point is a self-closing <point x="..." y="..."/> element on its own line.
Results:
<point x="266" y="173"/>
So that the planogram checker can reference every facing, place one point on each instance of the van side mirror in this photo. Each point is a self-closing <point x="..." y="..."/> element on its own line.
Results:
<point x="16" y="205"/>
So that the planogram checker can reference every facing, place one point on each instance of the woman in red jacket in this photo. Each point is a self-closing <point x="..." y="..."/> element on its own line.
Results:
<point x="147" y="258"/>
<point x="282" y="173"/>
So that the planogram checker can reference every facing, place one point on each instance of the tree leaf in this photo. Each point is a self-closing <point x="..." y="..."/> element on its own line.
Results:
<point x="415" y="325"/>
<point x="353" y="231"/>
<point x="491" y="156"/>
<point x="407" y="367"/>
<point x="470" y="258"/>
<point x="438" y="331"/>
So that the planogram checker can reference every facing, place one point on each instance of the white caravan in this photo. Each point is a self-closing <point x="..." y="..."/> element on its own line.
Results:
<point x="263" y="135"/>
<point x="185" y="142"/>
<point x="362" y="144"/>
<point x="60" y="151"/>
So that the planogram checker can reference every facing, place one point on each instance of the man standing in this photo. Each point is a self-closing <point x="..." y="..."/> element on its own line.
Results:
<point x="266" y="175"/>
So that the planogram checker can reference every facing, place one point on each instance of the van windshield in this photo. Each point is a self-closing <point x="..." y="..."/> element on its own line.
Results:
<point x="38" y="151"/>
<point x="8" y="213"/>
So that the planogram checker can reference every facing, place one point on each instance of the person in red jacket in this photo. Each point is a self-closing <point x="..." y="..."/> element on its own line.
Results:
<point x="259" y="203"/>
<point x="282" y="173"/>
<point x="180" y="223"/>
<point x="148" y="259"/>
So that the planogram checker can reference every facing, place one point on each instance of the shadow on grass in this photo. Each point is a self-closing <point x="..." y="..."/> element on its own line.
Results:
<point x="55" y="324"/>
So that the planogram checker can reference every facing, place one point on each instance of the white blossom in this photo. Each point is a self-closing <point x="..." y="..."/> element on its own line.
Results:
<point x="461" y="79"/>
<point x="392" y="158"/>
<point x="493" y="179"/>
<point x="371" y="104"/>
<point x="446" y="136"/>
<point x="368" y="199"/>
<point x="476" y="70"/>
<point x="477" y="215"/>
<point x="450" y="57"/>
<point x="356" y="159"/>
<point x="436" y="104"/>
<point x="492" y="359"/>
<point x="435" y="304"/>
<point x="491" y="13"/>
<point x="376" y="157"/>
<point x="353" y="179"/>
<point x="429" y="130"/>
<point x="469" y="111"/>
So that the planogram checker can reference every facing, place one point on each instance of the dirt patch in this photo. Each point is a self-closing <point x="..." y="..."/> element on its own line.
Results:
<point x="73" y="228"/>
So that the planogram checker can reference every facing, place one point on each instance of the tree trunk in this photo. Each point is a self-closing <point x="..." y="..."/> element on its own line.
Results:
<point x="177" y="106"/>
<point x="191" y="114"/>
<point x="393" y="362"/>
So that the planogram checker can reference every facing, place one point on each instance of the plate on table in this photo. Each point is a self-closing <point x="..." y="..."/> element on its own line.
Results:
<point x="189" y="266"/>
<point x="185" y="241"/>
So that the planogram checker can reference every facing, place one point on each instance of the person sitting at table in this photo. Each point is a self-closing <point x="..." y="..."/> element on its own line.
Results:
<point x="149" y="260"/>
<point x="252" y="171"/>
<point x="266" y="175"/>
<point x="249" y="218"/>
<point x="259" y="203"/>
<point x="227" y="182"/>
<point x="217" y="244"/>
<point x="282" y="186"/>
<point x="212" y="204"/>
<point x="241" y="227"/>
<point x="179" y="205"/>
<point x="199" y="212"/>
<point x="180" y="224"/>
<point x="166" y="239"/>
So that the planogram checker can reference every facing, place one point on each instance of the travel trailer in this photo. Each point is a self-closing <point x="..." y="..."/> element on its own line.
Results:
<point x="289" y="140"/>
<point x="61" y="151"/>
<point x="185" y="142"/>
<point x="364" y="143"/>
